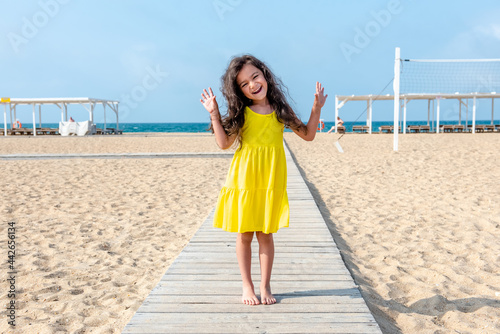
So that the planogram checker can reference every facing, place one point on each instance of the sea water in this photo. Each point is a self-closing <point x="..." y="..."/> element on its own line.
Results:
<point x="203" y="127"/>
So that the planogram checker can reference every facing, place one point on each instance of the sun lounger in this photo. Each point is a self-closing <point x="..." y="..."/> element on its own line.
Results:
<point x="425" y="128"/>
<point x="360" y="128"/>
<point x="341" y="129"/>
<point x="22" y="131"/>
<point x="479" y="128"/>
<point x="489" y="128"/>
<point x="447" y="127"/>
<point x="414" y="128"/>
<point x="386" y="129"/>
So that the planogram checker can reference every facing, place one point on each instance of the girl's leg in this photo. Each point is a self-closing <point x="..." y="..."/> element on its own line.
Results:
<point x="244" y="255"/>
<point x="266" y="256"/>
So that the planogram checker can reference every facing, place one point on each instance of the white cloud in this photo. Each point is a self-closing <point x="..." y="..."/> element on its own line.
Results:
<point x="491" y="30"/>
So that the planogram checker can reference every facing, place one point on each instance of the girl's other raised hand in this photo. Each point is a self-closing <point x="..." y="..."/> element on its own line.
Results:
<point x="209" y="102"/>
<point x="319" y="96"/>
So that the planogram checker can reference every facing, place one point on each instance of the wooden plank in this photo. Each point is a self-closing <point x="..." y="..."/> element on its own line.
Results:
<point x="256" y="277"/>
<point x="231" y="255"/>
<point x="249" y="317"/>
<point x="343" y="297"/>
<point x="188" y="289"/>
<point x="240" y="308"/>
<point x="257" y="327"/>
<point x="183" y="268"/>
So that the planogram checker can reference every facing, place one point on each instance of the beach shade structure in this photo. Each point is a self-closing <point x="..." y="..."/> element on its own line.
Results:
<point x="435" y="80"/>
<point x="88" y="103"/>
<point x="405" y="99"/>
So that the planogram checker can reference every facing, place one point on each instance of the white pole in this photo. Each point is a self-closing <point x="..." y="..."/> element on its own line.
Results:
<point x="492" y="110"/>
<point x="10" y="112"/>
<point x="433" y="115"/>
<point x="396" y="97"/>
<point x="370" y="116"/>
<point x="466" y="114"/>
<point x="336" y="113"/>
<point x="40" y="114"/>
<point x="5" y="119"/>
<point x="437" y="114"/>
<point x="474" y="116"/>
<point x="90" y="115"/>
<point x="428" y="111"/>
<point x="34" y="121"/>
<point x="117" y="117"/>
<point x="65" y="111"/>
<point x="104" y="106"/>
<point x="404" y="117"/>
<point x="459" y="111"/>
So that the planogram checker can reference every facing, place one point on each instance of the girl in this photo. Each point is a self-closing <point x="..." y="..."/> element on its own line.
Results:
<point x="254" y="197"/>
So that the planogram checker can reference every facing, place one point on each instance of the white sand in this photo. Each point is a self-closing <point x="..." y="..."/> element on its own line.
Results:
<point x="95" y="236"/>
<point x="419" y="228"/>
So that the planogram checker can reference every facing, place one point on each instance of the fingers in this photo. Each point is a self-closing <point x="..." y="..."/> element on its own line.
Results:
<point x="319" y="88"/>
<point x="206" y="95"/>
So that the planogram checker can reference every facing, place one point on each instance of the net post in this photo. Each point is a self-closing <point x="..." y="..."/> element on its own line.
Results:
<point x="370" y="116"/>
<point x="404" y="116"/>
<point x="34" y="121"/>
<point x="492" y="111"/>
<point x="336" y="113"/>
<point x="397" y="66"/>
<point x="474" y="116"/>
<point x="437" y="114"/>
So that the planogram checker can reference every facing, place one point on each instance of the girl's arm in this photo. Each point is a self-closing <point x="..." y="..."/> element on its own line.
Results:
<point x="210" y="103"/>
<point x="312" y="124"/>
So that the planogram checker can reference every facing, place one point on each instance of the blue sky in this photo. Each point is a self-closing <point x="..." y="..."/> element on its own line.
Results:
<point x="156" y="56"/>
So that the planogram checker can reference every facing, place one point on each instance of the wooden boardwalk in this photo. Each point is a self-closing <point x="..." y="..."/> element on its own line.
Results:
<point x="201" y="291"/>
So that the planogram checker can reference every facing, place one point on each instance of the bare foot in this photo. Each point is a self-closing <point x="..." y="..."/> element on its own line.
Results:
<point x="266" y="296"/>
<point x="249" y="297"/>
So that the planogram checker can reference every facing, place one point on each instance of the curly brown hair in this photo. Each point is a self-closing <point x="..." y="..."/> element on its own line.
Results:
<point x="233" y="121"/>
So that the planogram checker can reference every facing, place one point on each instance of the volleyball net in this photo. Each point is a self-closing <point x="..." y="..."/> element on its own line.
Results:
<point x="452" y="76"/>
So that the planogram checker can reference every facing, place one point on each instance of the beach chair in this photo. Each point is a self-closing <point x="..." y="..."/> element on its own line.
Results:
<point x="447" y="128"/>
<point x="459" y="128"/>
<point x="497" y="127"/>
<point x="360" y="128"/>
<point x="386" y="129"/>
<point x="489" y="128"/>
<point x="425" y="128"/>
<point x="479" y="128"/>
<point x="413" y="128"/>
<point x="341" y="129"/>
<point x="53" y="131"/>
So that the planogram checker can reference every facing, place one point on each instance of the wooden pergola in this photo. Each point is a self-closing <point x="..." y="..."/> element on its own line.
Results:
<point x="88" y="103"/>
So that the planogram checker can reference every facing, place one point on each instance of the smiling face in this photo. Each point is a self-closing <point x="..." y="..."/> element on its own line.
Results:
<point x="252" y="83"/>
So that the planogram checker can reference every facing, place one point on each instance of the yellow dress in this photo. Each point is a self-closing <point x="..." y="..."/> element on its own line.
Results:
<point x="254" y="196"/>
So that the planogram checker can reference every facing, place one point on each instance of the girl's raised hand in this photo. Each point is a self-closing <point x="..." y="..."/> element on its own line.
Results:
<point x="209" y="102"/>
<point x="319" y="96"/>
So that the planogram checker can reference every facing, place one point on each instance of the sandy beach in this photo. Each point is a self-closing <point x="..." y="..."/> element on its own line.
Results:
<point x="94" y="236"/>
<point x="418" y="228"/>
